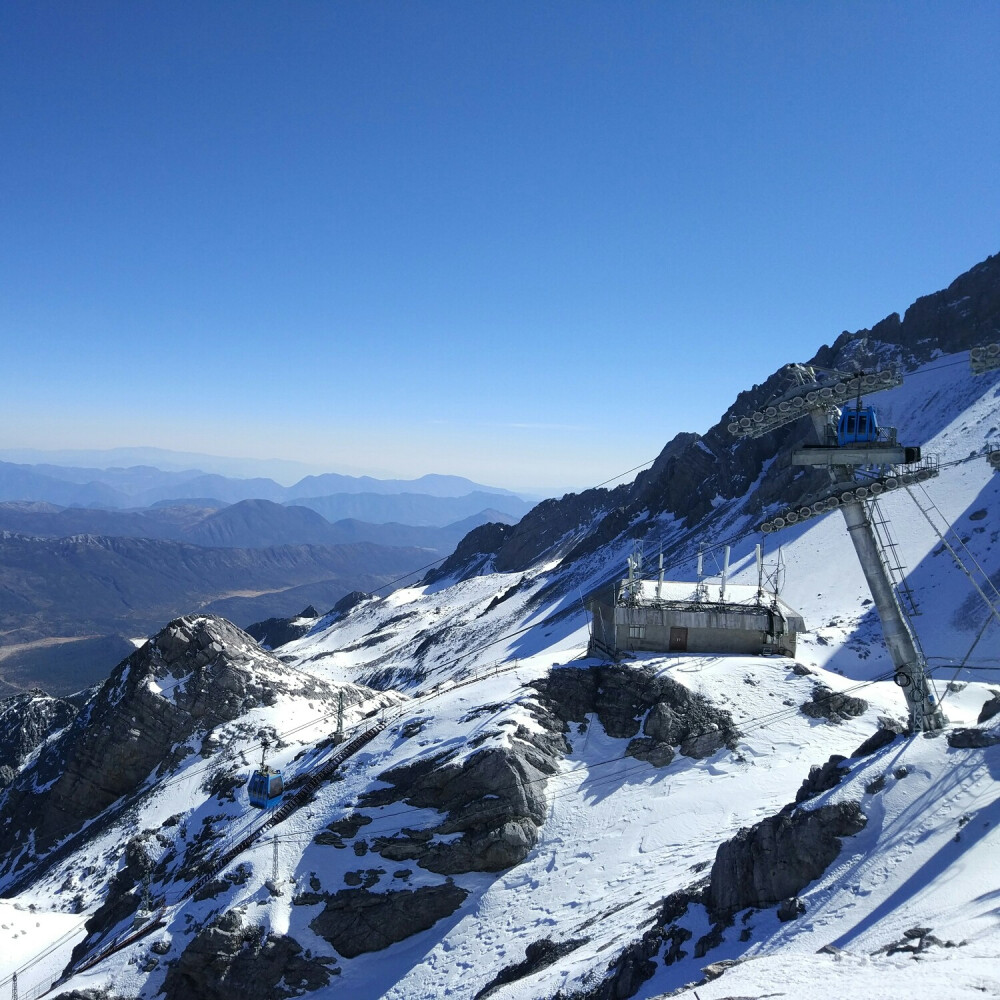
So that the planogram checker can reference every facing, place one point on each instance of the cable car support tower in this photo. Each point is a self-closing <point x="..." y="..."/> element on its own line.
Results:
<point x="859" y="472"/>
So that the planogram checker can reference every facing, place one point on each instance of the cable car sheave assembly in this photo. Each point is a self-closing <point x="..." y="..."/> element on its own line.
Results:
<point x="862" y="460"/>
<point x="984" y="359"/>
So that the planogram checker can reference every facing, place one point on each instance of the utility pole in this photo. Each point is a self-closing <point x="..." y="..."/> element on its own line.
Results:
<point x="274" y="859"/>
<point x="13" y="987"/>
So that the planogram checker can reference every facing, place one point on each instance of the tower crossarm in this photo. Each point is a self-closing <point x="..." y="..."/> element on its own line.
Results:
<point x="843" y="491"/>
<point x="828" y="389"/>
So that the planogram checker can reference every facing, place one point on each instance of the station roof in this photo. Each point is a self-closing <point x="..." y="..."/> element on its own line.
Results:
<point x="684" y="591"/>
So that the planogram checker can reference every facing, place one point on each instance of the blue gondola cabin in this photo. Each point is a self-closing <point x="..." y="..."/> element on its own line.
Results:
<point x="266" y="788"/>
<point x="857" y="426"/>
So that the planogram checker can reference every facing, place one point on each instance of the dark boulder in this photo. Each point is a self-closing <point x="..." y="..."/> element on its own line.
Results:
<point x="973" y="739"/>
<point x="229" y="960"/>
<point x="833" y="706"/>
<point x="790" y="909"/>
<point x="778" y="857"/>
<point x="990" y="708"/>
<point x="356" y="921"/>
<point x="887" y="732"/>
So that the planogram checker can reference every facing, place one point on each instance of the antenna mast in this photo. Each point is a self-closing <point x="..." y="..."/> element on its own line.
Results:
<point x="701" y="590"/>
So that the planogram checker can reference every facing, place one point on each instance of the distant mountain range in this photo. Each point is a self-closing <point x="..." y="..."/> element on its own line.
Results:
<point x="91" y="558"/>
<point x="251" y="524"/>
<point x="281" y="469"/>
<point x="144" y="486"/>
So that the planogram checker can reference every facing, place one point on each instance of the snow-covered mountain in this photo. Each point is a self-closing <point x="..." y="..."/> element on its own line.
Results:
<point x="509" y="818"/>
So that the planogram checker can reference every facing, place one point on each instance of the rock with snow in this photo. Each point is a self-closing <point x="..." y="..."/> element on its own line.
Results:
<point x="26" y="722"/>
<point x="233" y="960"/>
<point x="832" y="705"/>
<point x="822" y="779"/>
<point x="629" y="699"/>
<point x="990" y="708"/>
<point x="494" y="798"/>
<point x="778" y="857"/>
<point x="356" y="921"/>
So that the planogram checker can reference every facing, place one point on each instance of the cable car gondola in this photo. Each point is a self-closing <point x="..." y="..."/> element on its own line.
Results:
<point x="266" y="786"/>
<point x="857" y="426"/>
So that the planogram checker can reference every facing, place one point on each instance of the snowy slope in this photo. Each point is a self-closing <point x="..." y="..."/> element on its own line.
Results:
<point x="618" y="835"/>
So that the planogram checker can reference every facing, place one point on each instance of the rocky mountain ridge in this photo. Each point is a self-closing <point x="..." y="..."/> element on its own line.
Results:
<point x="694" y="472"/>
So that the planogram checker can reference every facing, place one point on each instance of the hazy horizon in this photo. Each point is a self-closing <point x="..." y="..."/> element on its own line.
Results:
<point x="282" y="471"/>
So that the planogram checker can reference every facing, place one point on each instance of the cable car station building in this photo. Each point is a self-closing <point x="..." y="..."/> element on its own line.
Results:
<point x="684" y="617"/>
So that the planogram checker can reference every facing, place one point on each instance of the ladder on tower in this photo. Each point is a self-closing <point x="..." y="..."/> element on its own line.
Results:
<point x="888" y="549"/>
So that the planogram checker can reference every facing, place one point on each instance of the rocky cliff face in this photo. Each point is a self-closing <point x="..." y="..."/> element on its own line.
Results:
<point x="778" y="857"/>
<point x="26" y="722"/>
<point x="194" y="675"/>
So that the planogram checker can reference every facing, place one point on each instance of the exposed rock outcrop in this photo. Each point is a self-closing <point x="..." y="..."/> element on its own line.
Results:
<point x="973" y="739"/>
<point x="229" y="960"/>
<point x="493" y="798"/>
<point x="822" y="779"/>
<point x="887" y="732"/>
<point x="473" y="553"/>
<point x="636" y="964"/>
<point x="554" y="527"/>
<point x="356" y="921"/>
<point x="778" y="857"/>
<point x="537" y="956"/>
<point x="832" y="705"/>
<point x="26" y="721"/>
<point x="632" y="700"/>
<point x="990" y="708"/>
<point x="274" y="632"/>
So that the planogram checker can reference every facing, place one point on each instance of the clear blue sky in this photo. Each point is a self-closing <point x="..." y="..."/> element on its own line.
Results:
<point x="525" y="242"/>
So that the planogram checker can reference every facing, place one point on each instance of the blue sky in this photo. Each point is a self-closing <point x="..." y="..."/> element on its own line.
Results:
<point x="525" y="242"/>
